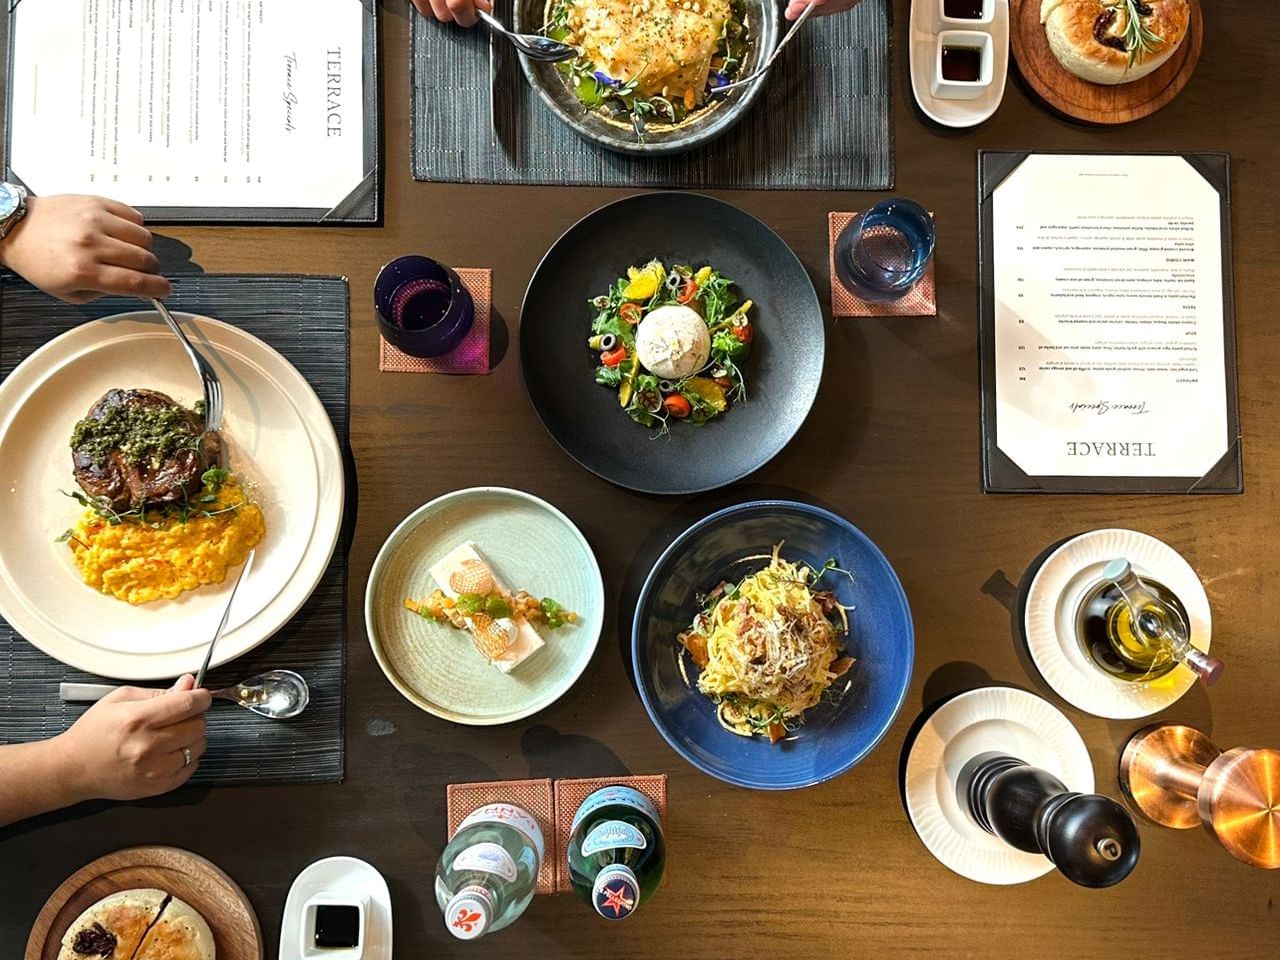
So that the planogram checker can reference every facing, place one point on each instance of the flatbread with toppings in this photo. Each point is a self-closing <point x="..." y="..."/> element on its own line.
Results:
<point x="180" y="934"/>
<point x="113" y="928"/>
<point x="143" y="924"/>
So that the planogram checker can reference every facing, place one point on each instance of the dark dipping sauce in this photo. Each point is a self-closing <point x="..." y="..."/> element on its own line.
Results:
<point x="962" y="64"/>
<point x="337" y="926"/>
<point x="962" y="9"/>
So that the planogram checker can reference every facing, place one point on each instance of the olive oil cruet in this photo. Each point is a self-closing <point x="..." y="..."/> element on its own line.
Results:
<point x="1136" y="630"/>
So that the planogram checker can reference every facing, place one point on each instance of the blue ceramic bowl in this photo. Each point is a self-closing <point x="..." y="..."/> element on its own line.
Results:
<point x="834" y="737"/>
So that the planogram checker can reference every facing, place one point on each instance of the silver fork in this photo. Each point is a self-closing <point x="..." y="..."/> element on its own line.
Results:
<point x="757" y="74"/>
<point x="208" y="377"/>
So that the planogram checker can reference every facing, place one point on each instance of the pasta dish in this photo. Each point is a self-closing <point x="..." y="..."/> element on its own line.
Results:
<point x="769" y="648"/>
<point x="649" y="60"/>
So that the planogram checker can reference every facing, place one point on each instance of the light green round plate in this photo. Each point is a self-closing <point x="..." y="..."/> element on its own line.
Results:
<point x="531" y="546"/>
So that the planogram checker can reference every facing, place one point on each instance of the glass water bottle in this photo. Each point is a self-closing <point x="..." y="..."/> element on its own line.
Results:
<point x="616" y="851"/>
<point x="488" y="872"/>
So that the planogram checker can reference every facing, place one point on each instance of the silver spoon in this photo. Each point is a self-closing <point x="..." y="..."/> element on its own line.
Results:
<point x="530" y="44"/>
<point x="753" y="77"/>
<point x="276" y="694"/>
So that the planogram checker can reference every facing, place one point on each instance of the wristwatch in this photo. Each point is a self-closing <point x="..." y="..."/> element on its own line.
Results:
<point x="13" y="206"/>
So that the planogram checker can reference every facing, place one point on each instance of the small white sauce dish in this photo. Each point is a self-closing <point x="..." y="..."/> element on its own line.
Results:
<point x="945" y="89"/>
<point x="943" y="22"/>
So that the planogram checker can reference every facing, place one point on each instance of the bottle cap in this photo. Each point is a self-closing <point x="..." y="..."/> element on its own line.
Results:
<point x="616" y="892"/>
<point x="469" y="912"/>
<point x="1117" y="569"/>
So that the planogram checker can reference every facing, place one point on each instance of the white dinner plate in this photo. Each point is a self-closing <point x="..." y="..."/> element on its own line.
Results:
<point x="1050" y="623"/>
<point x="922" y="46"/>
<point x="278" y="437"/>
<point x="1001" y="719"/>
<point x="531" y="546"/>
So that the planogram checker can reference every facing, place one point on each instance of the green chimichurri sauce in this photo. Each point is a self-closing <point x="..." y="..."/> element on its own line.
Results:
<point x="139" y="433"/>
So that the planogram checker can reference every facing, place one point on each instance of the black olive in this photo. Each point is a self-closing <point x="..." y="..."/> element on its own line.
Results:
<point x="608" y="341"/>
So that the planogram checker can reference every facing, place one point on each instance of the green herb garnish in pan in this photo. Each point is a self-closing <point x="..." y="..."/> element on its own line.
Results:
<point x="671" y="342"/>
<point x="649" y="61"/>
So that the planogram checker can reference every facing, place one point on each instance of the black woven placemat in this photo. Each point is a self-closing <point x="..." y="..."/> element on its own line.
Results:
<point x="823" y="122"/>
<point x="305" y="319"/>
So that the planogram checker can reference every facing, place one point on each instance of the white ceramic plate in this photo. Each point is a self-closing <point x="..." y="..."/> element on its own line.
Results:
<point x="531" y="546"/>
<point x="922" y="42"/>
<point x="278" y="436"/>
<point x="1002" y="719"/>
<point x="337" y="880"/>
<point x="1050" y="624"/>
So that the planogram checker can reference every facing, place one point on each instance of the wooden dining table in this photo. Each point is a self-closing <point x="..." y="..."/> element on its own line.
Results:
<point x="893" y="445"/>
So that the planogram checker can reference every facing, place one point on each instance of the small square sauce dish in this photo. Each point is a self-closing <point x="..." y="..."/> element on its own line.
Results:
<point x="963" y="65"/>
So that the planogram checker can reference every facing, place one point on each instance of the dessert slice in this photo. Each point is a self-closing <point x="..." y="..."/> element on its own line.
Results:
<point x="500" y="633"/>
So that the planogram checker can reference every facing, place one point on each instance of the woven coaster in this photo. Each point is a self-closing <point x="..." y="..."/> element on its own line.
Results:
<point x="569" y="795"/>
<point x="533" y="795"/>
<point x="471" y="356"/>
<point x="921" y="301"/>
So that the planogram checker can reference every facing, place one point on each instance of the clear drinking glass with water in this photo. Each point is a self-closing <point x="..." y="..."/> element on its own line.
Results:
<point x="885" y="250"/>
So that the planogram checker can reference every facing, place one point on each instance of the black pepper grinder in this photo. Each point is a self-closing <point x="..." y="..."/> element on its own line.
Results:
<point x="1090" y="838"/>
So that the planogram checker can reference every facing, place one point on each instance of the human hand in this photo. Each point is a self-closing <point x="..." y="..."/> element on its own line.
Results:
<point x="77" y="248"/>
<point x="130" y="743"/>
<point x="461" y="12"/>
<point x="824" y="8"/>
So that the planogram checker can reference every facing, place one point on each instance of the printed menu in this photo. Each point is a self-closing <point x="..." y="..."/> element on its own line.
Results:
<point x="1108" y="340"/>
<point x="214" y="105"/>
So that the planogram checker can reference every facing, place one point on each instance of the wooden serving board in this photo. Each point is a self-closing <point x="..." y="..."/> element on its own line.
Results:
<point x="187" y="876"/>
<point x="1095" y="102"/>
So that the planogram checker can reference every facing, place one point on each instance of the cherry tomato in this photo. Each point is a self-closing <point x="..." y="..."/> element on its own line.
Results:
<point x="688" y="290"/>
<point x="611" y="358"/>
<point x="630" y="313"/>
<point x="744" y="332"/>
<point x="677" y="406"/>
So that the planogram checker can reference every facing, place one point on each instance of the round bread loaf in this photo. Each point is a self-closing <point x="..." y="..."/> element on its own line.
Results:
<point x="1093" y="39"/>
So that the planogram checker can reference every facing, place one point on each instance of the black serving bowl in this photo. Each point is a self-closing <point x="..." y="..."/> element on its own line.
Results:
<point x="782" y="373"/>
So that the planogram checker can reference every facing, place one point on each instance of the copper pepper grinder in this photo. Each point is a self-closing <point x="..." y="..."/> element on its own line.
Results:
<point x="1091" y="839"/>
<point x="1177" y="777"/>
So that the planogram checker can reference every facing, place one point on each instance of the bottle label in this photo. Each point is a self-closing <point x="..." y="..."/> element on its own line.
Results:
<point x="487" y="858"/>
<point x="616" y="892"/>
<point x="612" y="835"/>
<point x="607" y="796"/>
<point x="468" y="912"/>
<point x="512" y="816"/>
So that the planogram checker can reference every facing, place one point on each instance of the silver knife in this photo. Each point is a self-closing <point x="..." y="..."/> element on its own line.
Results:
<point x="91" y="692"/>
<point x="493" y="84"/>
<point x="226" y="615"/>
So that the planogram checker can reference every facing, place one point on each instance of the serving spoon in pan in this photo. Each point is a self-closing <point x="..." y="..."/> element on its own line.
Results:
<point x="753" y="77"/>
<point x="530" y="44"/>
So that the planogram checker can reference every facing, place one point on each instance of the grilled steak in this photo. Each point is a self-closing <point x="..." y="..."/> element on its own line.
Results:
<point x="139" y="446"/>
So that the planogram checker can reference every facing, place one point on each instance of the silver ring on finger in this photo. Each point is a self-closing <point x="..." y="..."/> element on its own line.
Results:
<point x="186" y="757"/>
